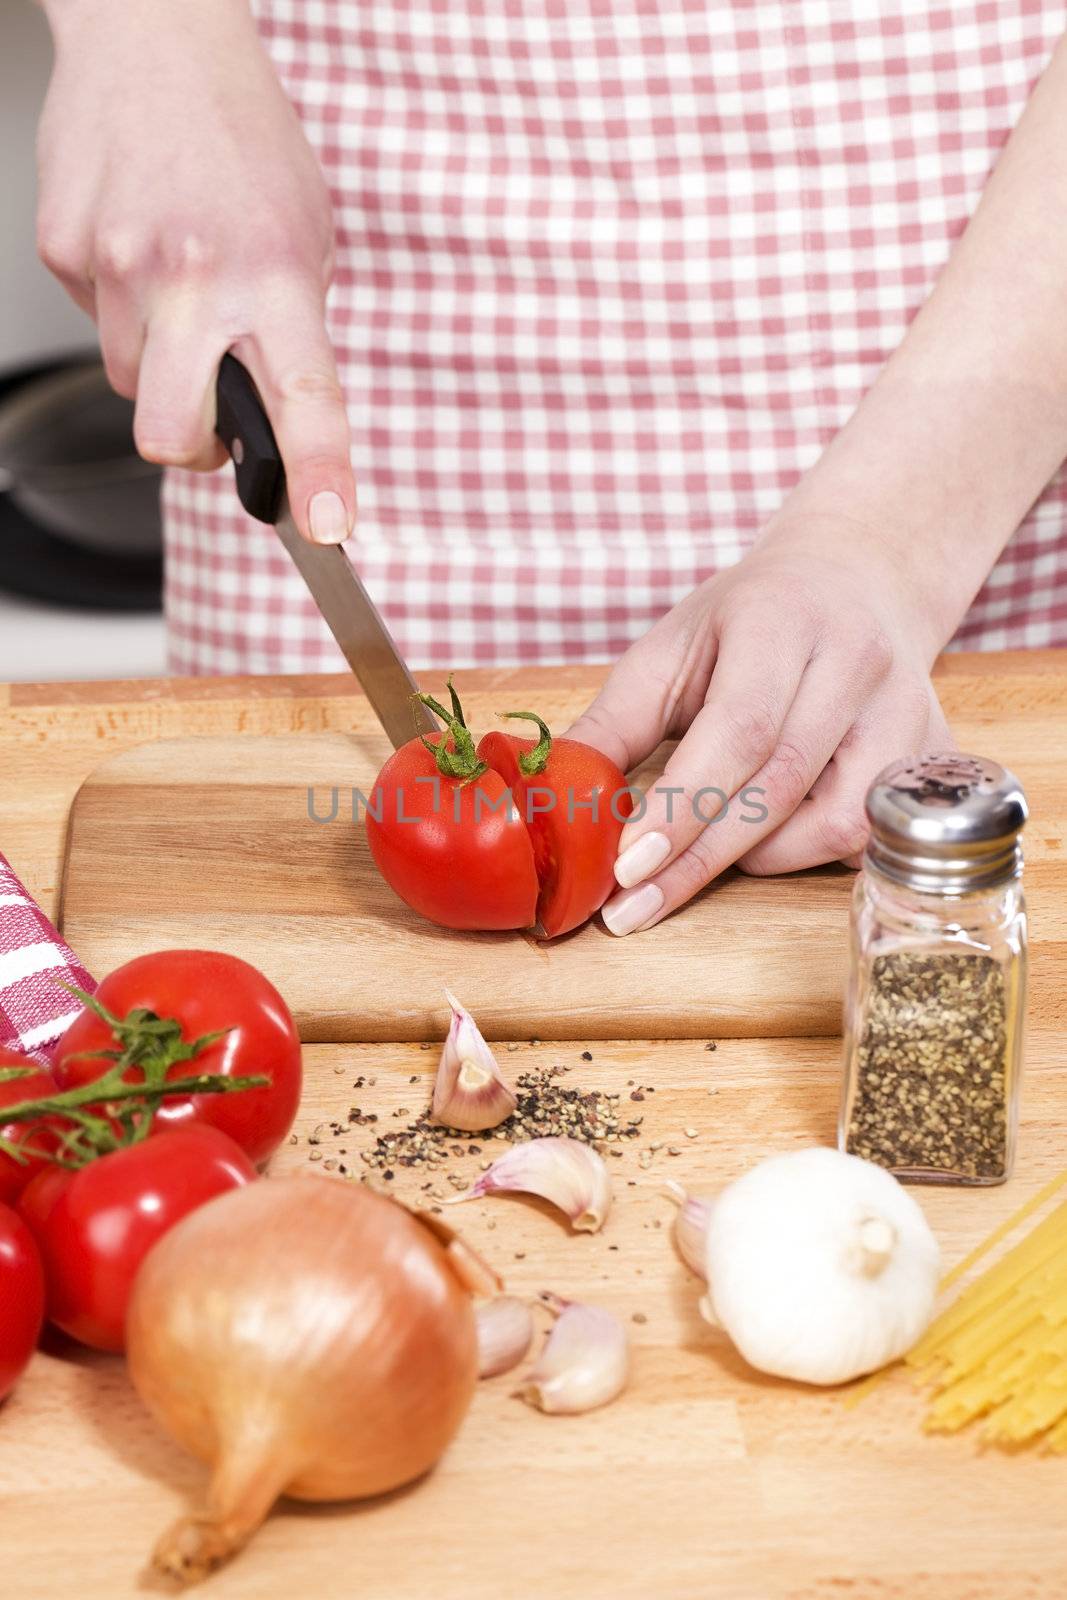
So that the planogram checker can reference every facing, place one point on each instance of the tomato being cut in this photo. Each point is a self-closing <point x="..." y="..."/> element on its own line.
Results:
<point x="21" y="1298"/>
<point x="515" y="833"/>
<point x="33" y="1084"/>
<point x="203" y="992"/>
<point x="94" y="1226"/>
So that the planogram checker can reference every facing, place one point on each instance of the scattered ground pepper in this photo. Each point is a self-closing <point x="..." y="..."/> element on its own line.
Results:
<point x="547" y="1106"/>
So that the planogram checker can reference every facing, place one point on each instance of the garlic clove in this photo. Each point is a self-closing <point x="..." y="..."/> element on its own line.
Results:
<point x="690" y="1226"/>
<point x="469" y="1092"/>
<point x="585" y="1362"/>
<point x="563" y="1171"/>
<point x="505" y="1332"/>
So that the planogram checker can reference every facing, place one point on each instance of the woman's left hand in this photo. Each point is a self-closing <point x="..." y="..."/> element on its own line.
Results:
<point x="805" y="669"/>
<point x="791" y="680"/>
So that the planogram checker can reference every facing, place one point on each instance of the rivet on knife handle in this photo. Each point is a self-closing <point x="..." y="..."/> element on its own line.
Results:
<point x="244" y="428"/>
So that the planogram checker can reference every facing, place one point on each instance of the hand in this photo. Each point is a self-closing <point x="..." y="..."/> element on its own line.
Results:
<point x="183" y="209"/>
<point x="792" y="679"/>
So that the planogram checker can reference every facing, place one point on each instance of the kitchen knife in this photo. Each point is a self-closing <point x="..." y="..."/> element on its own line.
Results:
<point x="349" y="612"/>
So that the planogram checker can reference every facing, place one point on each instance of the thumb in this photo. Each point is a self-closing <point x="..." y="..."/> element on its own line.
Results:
<point x="293" y="366"/>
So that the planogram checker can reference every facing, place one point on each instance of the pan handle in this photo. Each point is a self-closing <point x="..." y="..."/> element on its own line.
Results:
<point x="244" y="428"/>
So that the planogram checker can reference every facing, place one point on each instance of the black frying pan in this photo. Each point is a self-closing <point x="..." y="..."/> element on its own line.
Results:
<point x="68" y="463"/>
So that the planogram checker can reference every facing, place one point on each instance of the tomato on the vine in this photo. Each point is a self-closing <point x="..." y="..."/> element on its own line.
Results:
<point x="515" y="833"/>
<point x="32" y="1083"/>
<point x="201" y="992"/>
<point x="94" y="1226"/>
<point x="21" y="1298"/>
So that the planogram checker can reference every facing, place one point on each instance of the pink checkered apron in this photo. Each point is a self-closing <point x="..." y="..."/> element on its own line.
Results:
<point x="610" y="274"/>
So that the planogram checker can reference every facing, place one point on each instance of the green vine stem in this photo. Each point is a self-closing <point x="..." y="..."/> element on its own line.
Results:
<point x="110" y="1113"/>
<point x="96" y="1131"/>
<point x="10" y="1074"/>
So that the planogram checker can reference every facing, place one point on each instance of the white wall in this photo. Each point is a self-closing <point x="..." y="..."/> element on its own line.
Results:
<point x="36" y="317"/>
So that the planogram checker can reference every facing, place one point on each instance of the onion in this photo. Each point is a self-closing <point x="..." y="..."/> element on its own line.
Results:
<point x="305" y="1336"/>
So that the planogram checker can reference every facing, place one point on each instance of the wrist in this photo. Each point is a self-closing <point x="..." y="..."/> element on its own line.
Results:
<point x="66" y="17"/>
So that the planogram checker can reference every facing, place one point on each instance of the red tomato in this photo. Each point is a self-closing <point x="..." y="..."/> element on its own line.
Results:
<point x="15" y="1175"/>
<point x="450" y="846"/>
<point x="575" y="809"/>
<point x="21" y="1298"/>
<point x="458" y="853"/>
<point x="95" y="1226"/>
<point x="205" y="991"/>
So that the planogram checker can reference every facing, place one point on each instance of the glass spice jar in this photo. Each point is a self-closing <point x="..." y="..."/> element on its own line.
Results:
<point x="934" y="1007"/>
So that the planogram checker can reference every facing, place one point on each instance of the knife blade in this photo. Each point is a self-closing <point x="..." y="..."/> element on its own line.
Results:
<point x="335" y="585"/>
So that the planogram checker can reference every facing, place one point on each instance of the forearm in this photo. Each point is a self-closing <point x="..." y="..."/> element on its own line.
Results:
<point x="968" y="420"/>
<point x="101" y="16"/>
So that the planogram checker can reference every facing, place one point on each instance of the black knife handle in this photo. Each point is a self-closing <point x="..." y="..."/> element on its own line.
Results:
<point x="245" y="430"/>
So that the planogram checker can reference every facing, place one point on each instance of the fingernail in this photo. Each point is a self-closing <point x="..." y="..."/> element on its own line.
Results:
<point x="629" y="911"/>
<point x="328" y="518"/>
<point x="642" y="858"/>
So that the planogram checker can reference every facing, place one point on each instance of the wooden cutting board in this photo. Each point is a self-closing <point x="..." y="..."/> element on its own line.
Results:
<point x="208" y="841"/>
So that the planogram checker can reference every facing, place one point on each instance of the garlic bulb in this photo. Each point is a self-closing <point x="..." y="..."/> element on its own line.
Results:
<point x="820" y="1267"/>
<point x="505" y="1333"/>
<point x="565" y="1171"/>
<point x="469" y="1091"/>
<point x="585" y="1362"/>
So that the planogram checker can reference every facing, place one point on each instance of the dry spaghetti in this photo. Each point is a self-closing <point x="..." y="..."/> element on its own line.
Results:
<point x="1000" y="1352"/>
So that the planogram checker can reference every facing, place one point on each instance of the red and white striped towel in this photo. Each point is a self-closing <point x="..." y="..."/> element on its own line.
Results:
<point x="35" y="1009"/>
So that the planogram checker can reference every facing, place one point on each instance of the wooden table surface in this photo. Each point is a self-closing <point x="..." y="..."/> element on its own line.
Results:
<point x="703" y="1480"/>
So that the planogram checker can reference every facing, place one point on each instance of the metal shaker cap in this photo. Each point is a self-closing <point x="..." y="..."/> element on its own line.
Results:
<point x="946" y="824"/>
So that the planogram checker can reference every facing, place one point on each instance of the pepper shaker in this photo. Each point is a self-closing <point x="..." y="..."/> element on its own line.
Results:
<point x="934" y="1007"/>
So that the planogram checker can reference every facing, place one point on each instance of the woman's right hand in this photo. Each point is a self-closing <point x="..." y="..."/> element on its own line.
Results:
<point x="184" y="210"/>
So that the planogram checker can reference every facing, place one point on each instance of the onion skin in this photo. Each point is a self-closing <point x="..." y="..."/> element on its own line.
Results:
<point x="313" y="1339"/>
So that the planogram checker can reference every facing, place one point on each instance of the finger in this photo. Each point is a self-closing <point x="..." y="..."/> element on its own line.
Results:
<point x="293" y="367"/>
<point x="654" y="689"/>
<point x="755" y="682"/>
<point x="815" y="725"/>
<point x="121" y="330"/>
<point x="174" y="423"/>
<point x="831" y="825"/>
<point x="63" y="247"/>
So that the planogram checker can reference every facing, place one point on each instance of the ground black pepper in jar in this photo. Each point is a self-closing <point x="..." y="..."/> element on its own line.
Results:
<point x="934" y="1008"/>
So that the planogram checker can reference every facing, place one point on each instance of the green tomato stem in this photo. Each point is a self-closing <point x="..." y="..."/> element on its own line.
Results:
<point x="531" y="762"/>
<point x="461" y="761"/>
